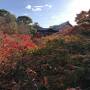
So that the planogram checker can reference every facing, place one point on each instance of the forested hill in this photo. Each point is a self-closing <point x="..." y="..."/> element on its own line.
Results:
<point x="31" y="61"/>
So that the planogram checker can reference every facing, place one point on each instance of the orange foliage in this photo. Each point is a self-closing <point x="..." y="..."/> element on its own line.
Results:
<point x="16" y="42"/>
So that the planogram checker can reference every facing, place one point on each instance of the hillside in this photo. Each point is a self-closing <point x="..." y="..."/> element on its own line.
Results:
<point x="64" y="60"/>
<point x="59" y="61"/>
<point x="60" y="64"/>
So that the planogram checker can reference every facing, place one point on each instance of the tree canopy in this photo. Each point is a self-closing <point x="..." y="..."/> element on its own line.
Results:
<point x="4" y="12"/>
<point x="83" y="17"/>
<point x="24" y="19"/>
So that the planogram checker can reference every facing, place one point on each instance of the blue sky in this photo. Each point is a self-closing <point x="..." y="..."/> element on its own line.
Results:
<point x="46" y="12"/>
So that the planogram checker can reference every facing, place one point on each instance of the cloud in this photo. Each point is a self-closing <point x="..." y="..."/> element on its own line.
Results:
<point x="48" y="5"/>
<point x="38" y="8"/>
<point x="41" y="6"/>
<point x="28" y="7"/>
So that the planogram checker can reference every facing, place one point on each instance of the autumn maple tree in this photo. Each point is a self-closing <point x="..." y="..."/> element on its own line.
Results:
<point x="15" y="42"/>
<point x="83" y="17"/>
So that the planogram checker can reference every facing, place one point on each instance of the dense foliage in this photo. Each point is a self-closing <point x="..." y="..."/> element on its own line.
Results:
<point x="54" y="62"/>
<point x="14" y="43"/>
<point x="83" y="17"/>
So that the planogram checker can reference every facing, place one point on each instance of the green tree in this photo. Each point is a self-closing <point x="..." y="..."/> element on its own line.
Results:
<point x="25" y="25"/>
<point x="33" y="30"/>
<point x="7" y="22"/>
<point x="4" y="13"/>
<point x="24" y="19"/>
<point x="36" y="25"/>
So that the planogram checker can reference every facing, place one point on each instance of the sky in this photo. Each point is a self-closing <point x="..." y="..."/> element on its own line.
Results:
<point x="46" y="12"/>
